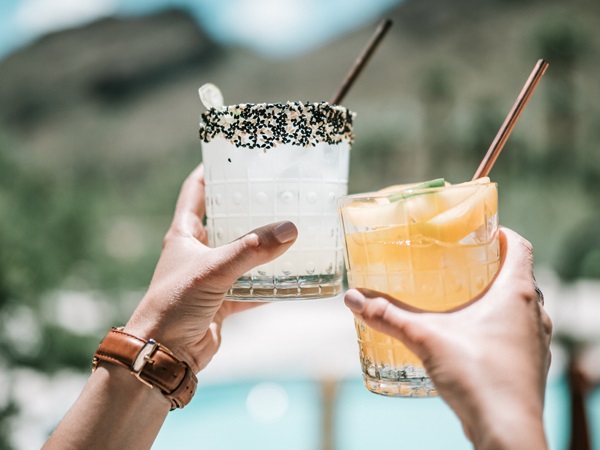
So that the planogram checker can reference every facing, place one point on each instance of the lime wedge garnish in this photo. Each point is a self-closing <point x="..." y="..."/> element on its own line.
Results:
<point x="438" y="182"/>
<point x="211" y="96"/>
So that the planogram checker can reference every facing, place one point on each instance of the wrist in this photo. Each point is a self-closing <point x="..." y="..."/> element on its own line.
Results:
<point x="111" y="400"/>
<point x="508" y="426"/>
<point x="147" y="330"/>
<point x="150" y="363"/>
<point x="150" y="320"/>
<point x="128" y="390"/>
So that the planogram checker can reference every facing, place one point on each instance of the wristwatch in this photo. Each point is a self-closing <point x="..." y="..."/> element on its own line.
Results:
<point x="151" y="363"/>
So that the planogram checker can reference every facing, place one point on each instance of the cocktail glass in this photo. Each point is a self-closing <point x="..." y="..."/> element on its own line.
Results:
<point x="270" y="162"/>
<point x="433" y="248"/>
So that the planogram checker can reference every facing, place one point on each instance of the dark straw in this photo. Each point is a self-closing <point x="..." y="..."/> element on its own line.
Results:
<point x="361" y="61"/>
<point x="509" y="123"/>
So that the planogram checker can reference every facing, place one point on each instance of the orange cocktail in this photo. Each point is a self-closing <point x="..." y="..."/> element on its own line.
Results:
<point x="431" y="245"/>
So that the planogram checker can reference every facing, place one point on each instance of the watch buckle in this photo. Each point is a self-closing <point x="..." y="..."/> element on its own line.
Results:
<point x="144" y="357"/>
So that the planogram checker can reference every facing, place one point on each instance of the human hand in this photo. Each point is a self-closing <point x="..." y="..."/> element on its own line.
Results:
<point x="182" y="310"/>
<point x="489" y="360"/>
<point x="184" y="306"/>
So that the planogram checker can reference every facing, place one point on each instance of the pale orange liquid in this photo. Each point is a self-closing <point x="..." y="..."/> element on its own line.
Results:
<point x="408" y="261"/>
<point x="422" y="273"/>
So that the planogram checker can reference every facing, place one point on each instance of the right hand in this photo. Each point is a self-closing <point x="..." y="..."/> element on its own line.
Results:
<point x="489" y="360"/>
<point x="184" y="306"/>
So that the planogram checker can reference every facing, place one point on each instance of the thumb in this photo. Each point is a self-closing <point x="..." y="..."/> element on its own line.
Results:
<point x="258" y="247"/>
<point x="390" y="316"/>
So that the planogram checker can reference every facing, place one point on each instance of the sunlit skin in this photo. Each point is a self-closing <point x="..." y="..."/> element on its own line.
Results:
<point x="183" y="309"/>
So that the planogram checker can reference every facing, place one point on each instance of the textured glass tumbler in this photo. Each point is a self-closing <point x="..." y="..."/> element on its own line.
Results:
<point x="266" y="163"/>
<point x="435" y="249"/>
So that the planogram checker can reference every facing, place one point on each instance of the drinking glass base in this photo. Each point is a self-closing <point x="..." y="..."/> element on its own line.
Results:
<point x="269" y="289"/>
<point x="407" y="387"/>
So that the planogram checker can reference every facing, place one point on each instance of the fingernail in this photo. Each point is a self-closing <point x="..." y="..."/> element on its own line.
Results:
<point x="354" y="300"/>
<point x="285" y="232"/>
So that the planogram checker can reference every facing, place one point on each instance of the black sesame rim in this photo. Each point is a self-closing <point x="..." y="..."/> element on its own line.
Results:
<point x="265" y="125"/>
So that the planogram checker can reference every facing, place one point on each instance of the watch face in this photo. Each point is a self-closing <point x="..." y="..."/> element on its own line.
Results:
<point x="140" y="360"/>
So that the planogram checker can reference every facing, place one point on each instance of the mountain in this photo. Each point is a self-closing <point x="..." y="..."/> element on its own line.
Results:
<point x="109" y="60"/>
<point x="488" y="47"/>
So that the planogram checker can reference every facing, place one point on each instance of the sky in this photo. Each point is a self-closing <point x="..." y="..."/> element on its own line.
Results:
<point x="274" y="28"/>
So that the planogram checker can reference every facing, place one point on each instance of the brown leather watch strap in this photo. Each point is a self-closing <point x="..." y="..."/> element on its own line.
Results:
<point x="152" y="363"/>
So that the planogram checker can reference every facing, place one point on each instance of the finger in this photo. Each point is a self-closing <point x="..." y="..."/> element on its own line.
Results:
<point x="370" y="293"/>
<point x="516" y="270"/>
<point x="191" y="203"/>
<point x="546" y="325"/>
<point x="516" y="256"/>
<point x="254" y="249"/>
<point x="384" y="316"/>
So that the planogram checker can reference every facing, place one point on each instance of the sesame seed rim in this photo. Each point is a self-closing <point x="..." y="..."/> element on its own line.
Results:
<point x="266" y="125"/>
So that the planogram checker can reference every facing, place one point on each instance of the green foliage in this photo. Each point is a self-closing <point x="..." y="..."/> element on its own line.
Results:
<point x="44" y="232"/>
<point x="67" y="350"/>
<point x="487" y="119"/>
<point x="437" y="85"/>
<point x="580" y="254"/>
<point x="44" y="224"/>
<point x="562" y="41"/>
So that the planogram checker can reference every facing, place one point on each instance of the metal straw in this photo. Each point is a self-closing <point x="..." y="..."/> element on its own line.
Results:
<point x="510" y="121"/>
<point x="361" y="61"/>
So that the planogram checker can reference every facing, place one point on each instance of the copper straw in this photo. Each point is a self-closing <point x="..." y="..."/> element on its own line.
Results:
<point x="361" y="61"/>
<point x="509" y="123"/>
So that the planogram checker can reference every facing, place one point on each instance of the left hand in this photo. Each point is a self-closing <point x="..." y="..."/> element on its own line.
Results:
<point x="184" y="307"/>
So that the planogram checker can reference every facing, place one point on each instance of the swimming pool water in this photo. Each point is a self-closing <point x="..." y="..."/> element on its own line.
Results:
<point x="288" y="414"/>
<point x="247" y="415"/>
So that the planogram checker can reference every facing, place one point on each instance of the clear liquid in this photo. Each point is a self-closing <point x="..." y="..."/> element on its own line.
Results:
<point x="247" y="188"/>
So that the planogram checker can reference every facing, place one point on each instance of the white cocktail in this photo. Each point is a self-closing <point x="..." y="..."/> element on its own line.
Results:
<point x="270" y="162"/>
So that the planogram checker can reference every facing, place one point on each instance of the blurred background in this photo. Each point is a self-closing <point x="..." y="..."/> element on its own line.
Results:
<point x="98" y="128"/>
